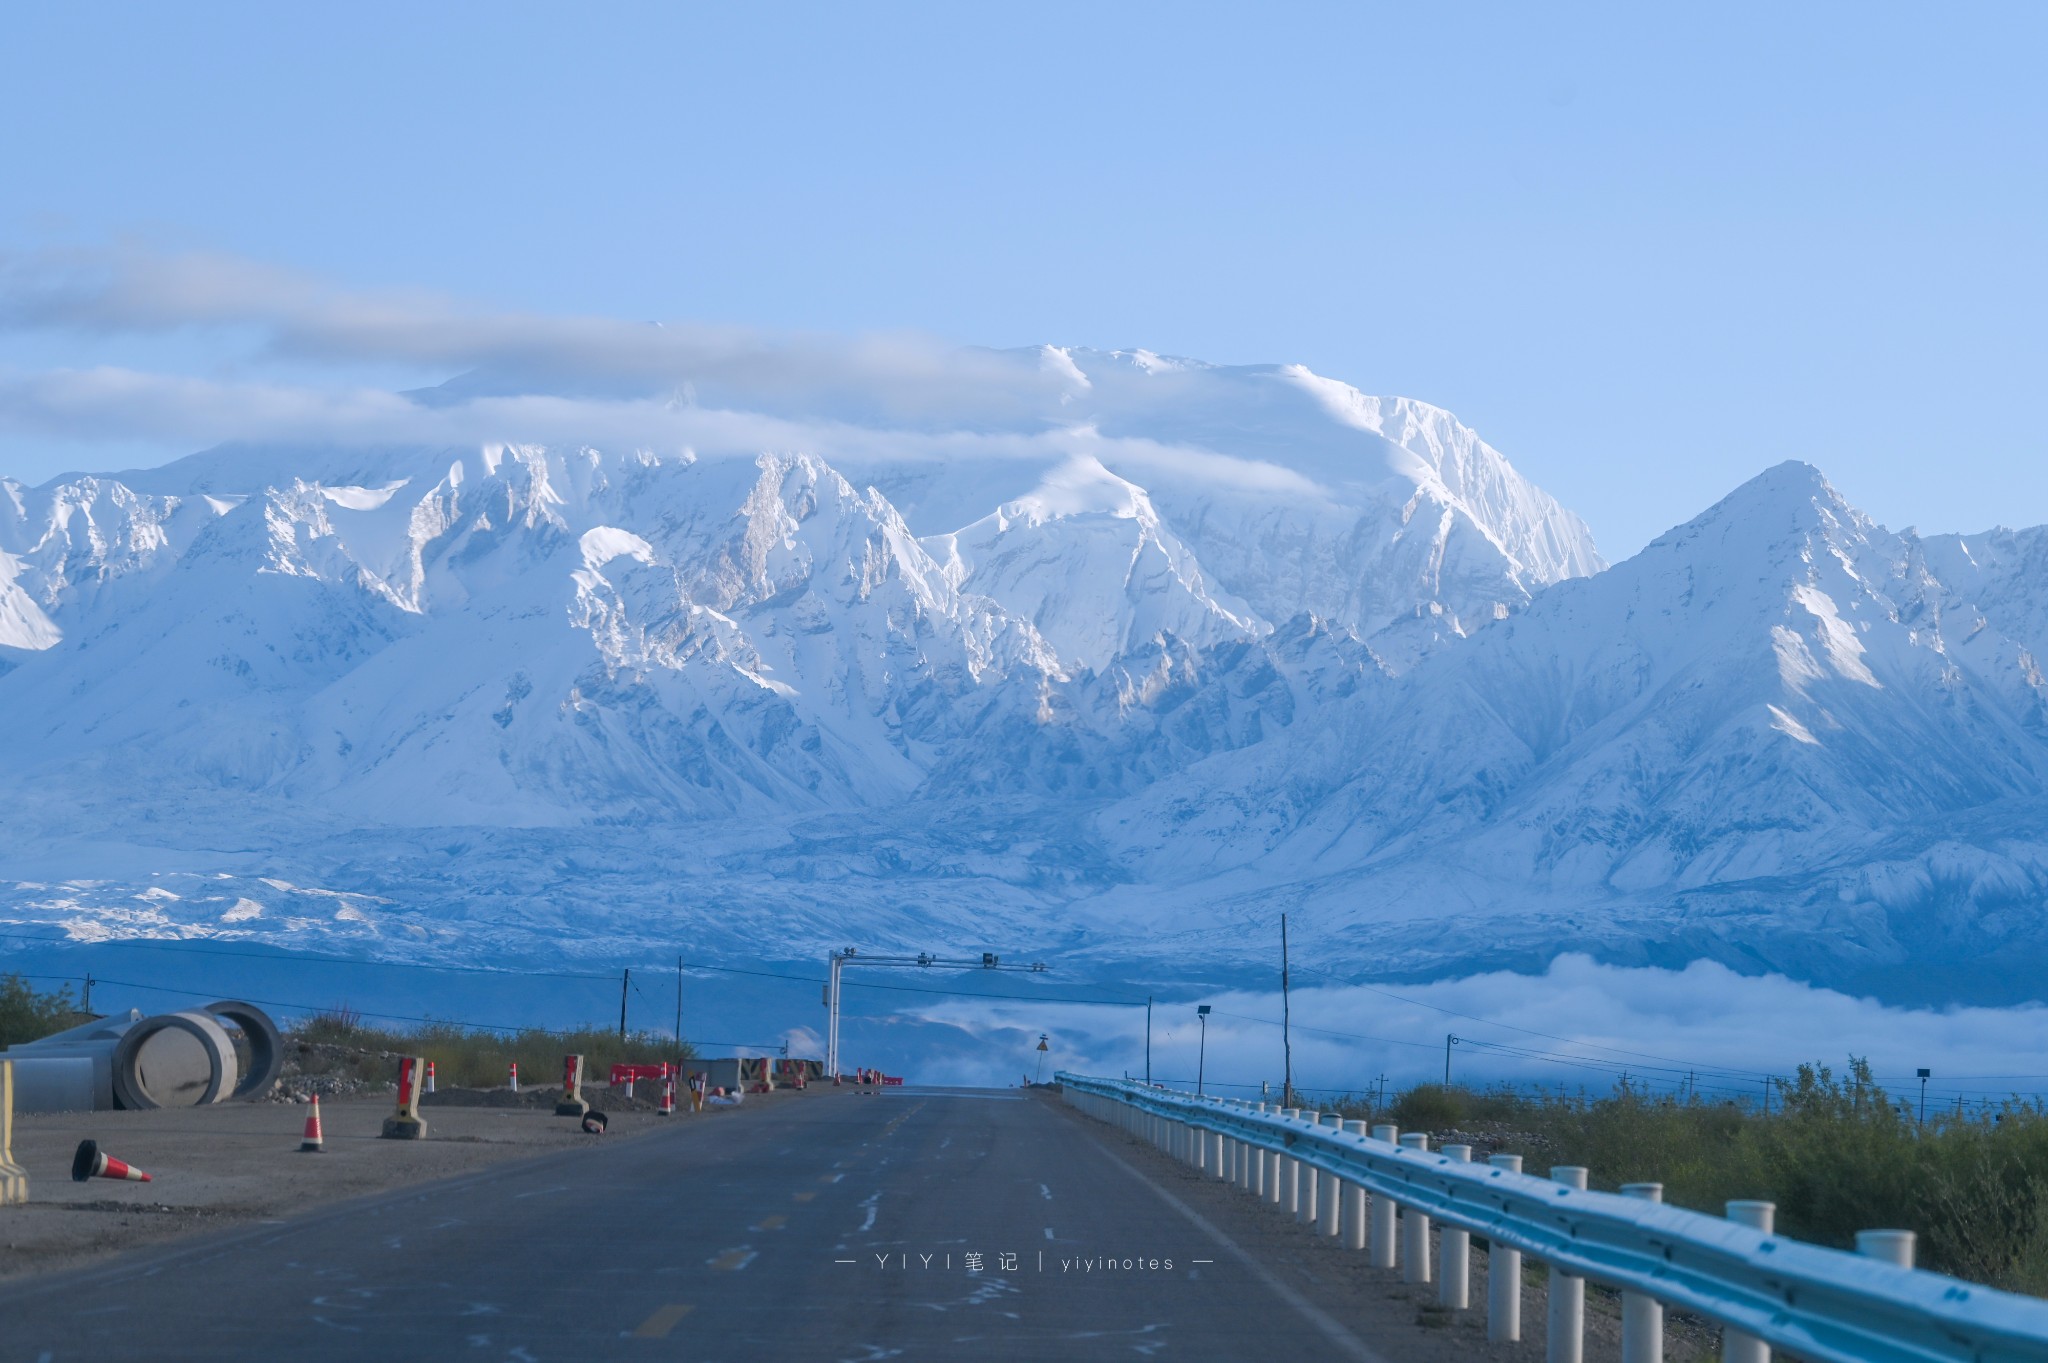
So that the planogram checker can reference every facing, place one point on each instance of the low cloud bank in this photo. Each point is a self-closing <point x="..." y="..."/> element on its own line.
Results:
<point x="526" y="378"/>
<point x="1580" y="1025"/>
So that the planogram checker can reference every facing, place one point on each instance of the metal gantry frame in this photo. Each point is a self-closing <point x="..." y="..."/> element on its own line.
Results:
<point x="924" y="960"/>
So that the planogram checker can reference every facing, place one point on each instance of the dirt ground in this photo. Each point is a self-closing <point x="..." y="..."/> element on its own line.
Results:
<point x="234" y="1163"/>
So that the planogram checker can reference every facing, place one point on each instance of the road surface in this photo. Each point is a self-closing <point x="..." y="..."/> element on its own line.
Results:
<point x="919" y="1224"/>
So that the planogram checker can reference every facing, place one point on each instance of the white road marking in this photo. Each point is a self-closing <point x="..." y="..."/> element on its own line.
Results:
<point x="1045" y="1192"/>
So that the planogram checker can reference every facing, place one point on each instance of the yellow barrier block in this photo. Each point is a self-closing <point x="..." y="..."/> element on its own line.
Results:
<point x="13" y="1178"/>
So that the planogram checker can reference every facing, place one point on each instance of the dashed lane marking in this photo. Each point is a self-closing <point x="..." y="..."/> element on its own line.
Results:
<point x="774" y="1222"/>
<point x="661" y="1322"/>
<point x="733" y="1260"/>
<point x="804" y="1197"/>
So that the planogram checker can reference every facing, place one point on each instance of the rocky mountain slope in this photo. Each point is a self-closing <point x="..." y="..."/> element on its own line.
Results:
<point x="1250" y="641"/>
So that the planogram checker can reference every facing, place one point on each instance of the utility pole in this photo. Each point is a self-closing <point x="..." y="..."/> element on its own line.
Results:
<point x="1148" y="1038"/>
<point x="625" y="979"/>
<point x="679" y="1007"/>
<point x="1449" y="1041"/>
<point x="1286" y="1025"/>
<point x="1925" y="1074"/>
<point x="1379" y="1102"/>
<point x="1202" y="1055"/>
<point x="86" y="1006"/>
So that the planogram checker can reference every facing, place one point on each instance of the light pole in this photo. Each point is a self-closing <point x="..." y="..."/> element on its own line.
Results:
<point x="1202" y="1055"/>
<point x="1449" y="1041"/>
<point x="1925" y="1075"/>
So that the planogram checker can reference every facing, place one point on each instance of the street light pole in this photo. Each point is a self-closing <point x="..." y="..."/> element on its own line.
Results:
<point x="1202" y="1055"/>
<point x="1925" y="1074"/>
<point x="1148" y="1038"/>
<point x="1449" y="1041"/>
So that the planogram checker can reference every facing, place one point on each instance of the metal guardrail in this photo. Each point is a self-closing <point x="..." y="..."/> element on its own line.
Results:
<point x="1818" y="1303"/>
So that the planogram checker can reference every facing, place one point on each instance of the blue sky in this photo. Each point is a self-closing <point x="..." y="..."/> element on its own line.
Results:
<point x="1646" y="252"/>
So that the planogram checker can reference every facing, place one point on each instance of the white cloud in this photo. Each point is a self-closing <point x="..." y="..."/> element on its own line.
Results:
<point x="905" y="376"/>
<point x="122" y="404"/>
<point x="1727" y="1031"/>
<point x="536" y="379"/>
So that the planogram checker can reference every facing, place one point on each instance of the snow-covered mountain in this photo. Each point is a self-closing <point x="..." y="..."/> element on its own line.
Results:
<point x="1213" y="642"/>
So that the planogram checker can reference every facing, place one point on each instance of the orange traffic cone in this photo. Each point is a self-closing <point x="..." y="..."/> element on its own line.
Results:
<point x="668" y="1099"/>
<point x="89" y="1162"/>
<point x="313" y="1143"/>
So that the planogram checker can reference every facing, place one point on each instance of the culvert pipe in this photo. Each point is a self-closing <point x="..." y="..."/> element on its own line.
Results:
<point x="175" y="1060"/>
<point x="261" y="1053"/>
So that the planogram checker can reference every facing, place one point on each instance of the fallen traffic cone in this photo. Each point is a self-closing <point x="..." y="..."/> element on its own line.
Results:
<point x="668" y="1099"/>
<point x="595" y="1122"/>
<point x="89" y="1162"/>
<point x="313" y="1143"/>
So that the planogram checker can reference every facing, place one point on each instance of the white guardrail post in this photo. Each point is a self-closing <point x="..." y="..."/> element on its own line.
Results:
<point x="1383" y="1245"/>
<point x="1642" y="1316"/>
<point x="1737" y="1347"/>
<point x="1352" y="1223"/>
<point x="1767" y="1292"/>
<point x="1262" y="1175"/>
<point x="1311" y="1180"/>
<point x="1566" y="1337"/>
<point x="1893" y="1246"/>
<point x="1414" y="1225"/>
<point x="1289" y="1194"/>
<point x="1503" y="1275"/>
<point x="1332" y="1192"/>
<point x="1454" y="1251"/>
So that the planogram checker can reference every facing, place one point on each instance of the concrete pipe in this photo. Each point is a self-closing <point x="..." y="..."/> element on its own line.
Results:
<point x="175" y="1060"/>
<point x="53" y="1083"/>
<point x="260" y="1052"/>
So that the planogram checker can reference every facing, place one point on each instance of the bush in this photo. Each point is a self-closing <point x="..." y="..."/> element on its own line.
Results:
<point x="1837" y="1155"/>
<point x="28" y="1015"/>
<point x="473" y="1059"/>
<point x="1429" y="1107"/>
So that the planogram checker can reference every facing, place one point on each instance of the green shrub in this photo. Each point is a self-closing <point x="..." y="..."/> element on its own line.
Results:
<point x="1429" y="1107"/>
<point x="28" y="1015"/>
<point x="474" y="1059"/>
<point x="1837" y="1155"/>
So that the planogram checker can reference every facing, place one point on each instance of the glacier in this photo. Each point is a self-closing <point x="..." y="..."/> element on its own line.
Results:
<point x="1214" y="643"/>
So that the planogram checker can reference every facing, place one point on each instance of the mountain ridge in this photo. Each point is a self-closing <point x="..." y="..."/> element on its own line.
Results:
<point x="1250" y="640"/>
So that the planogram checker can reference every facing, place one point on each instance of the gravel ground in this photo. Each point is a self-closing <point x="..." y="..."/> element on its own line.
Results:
<point x="234" y="1163"/>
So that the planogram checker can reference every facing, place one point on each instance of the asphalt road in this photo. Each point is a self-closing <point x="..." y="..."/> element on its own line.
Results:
<point x="831" y="1226"/>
